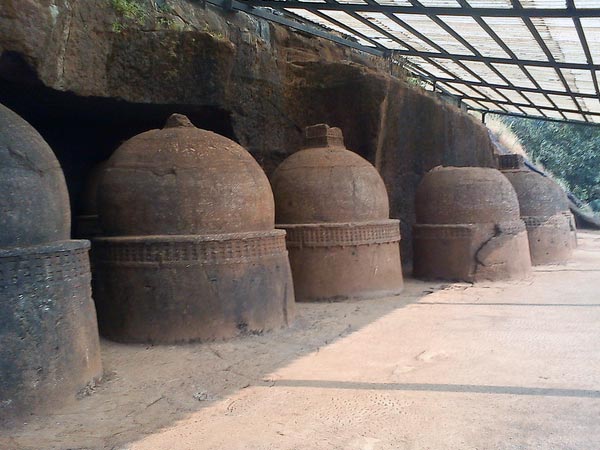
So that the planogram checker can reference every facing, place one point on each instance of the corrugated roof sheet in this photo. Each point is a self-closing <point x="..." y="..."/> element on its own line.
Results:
<point x="532" y="57"/>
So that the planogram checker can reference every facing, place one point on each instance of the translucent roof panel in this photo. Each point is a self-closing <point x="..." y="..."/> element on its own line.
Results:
<point x="563" y="102"/>
<point x="515" y="75"/>
<point x="591" y="29"/>
<point x="492" y="94"/>
<point x="330" y="25"/>
<point x="441" y="3"/>
<point x="452" y="90"/>
<point x="458" y="70"/>
<point x="433" y="69"/>
<point x="561" y="38"/>
<point x="554" y="114"/>
<point x="574" y="116"/>
<point x="517" y="37"/>
<point x="532" y="57"/>
<point x="538" y="99"/>
<point x="385" y="23"/>
<point x="486" y="71"/>
<point x="579" y="80"/>
<point x="531" y="111"/>
<point x="559" y="4"/>
<point x="515" y="96"/>
<point x="466" y="90"/>
<point x="363" y="29"/>
<point x="490" y="4"/>
<point x="434" y="32"/>
<point x="586" y="3"/>
<point x="546" y="77"/>
<point x="468" y="28"/>
<point x="472" y="104"/>
<point x="590" y="104"/>
<point x="394" y="3"/>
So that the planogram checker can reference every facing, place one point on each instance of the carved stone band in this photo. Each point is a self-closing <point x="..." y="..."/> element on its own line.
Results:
<point x="35" y="266"/>
<point x="461" y="231"/>
<point x="186" y="249"/>
<point x="341" y="234"/>
<point x="557" y="221"/>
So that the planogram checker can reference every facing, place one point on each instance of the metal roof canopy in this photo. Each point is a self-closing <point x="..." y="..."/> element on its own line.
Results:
<point x="534" y="58"/>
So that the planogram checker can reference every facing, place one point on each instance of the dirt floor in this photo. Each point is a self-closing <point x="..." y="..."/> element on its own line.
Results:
<point x="492" y="366"/>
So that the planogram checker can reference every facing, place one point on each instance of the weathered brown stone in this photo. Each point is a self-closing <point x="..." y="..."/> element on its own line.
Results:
<point x="468" y="227"/>
<point x="190" y="251"/>
<point x="49" y="347"/>
<point x="334" y="206"/>
<point x="545" y="210"/>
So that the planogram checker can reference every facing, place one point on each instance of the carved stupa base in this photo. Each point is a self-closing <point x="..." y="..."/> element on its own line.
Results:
<point x="171" y="289"/>
<point x="339" y="261"/>
<point x="471" y="252"/>
<point x="49" y="338"/>
<point x="550" y="239"/>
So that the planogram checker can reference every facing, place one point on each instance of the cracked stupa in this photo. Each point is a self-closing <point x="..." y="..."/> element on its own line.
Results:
<point x="468" y="227"/>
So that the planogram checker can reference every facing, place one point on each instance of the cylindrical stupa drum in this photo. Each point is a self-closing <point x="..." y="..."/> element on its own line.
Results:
<point x="189" y="250"/>
<point x="49" y="348"/>
<point x="545" y="210"/>
<point x="333" y="205"/>
<point x="468" y="227"/>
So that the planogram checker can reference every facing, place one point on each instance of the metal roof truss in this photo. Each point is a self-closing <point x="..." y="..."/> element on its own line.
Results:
<point x="533" y="58"/>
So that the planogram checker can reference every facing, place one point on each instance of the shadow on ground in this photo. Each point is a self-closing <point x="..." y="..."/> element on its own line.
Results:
<point x="147" y="388"/>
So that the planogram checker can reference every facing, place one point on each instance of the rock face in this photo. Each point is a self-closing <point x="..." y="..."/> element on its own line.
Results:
<point x="253" y="81"/>
<point x="49" y="347"/>
<point x="190" y="251"/>
<point x="545" y="210"/>
<point x="468" y="227"/>
<point x="334" y="207"/>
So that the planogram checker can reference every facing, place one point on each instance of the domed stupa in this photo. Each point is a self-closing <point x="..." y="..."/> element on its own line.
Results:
<point x="334" y="207"/>
<point x="468" y="227"/>
<point x="545" y="210"/>
<point x="189" y="251"/>
<point x="49" y="348"/>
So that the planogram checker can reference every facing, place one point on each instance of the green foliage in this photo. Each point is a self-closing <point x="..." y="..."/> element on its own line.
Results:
<point x="213" y="34"/>
<point x="144" y="12"/>
<point x="416" y="81"/>
<point x="129" y="9"/>
<point x="570" y="152"/>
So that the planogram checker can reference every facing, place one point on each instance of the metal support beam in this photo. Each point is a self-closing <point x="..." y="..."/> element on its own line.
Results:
<point x="298" y="26"/>
<point x="548" y="119"/>
<point x="438" y="11"/>
<point x="513" y="88"/>
<point x="541" y="108"/>
<point x="495" y="60"/>
<point x="282" y="12"/>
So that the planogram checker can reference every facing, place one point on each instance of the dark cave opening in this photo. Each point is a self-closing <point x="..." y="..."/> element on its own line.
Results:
<point x="84" y="131"/>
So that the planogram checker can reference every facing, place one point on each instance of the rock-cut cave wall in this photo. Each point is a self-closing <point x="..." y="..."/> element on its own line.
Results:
<point x="87" y="77"/>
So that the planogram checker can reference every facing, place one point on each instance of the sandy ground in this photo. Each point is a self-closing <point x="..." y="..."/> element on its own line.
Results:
<point x="493" y="366"/>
